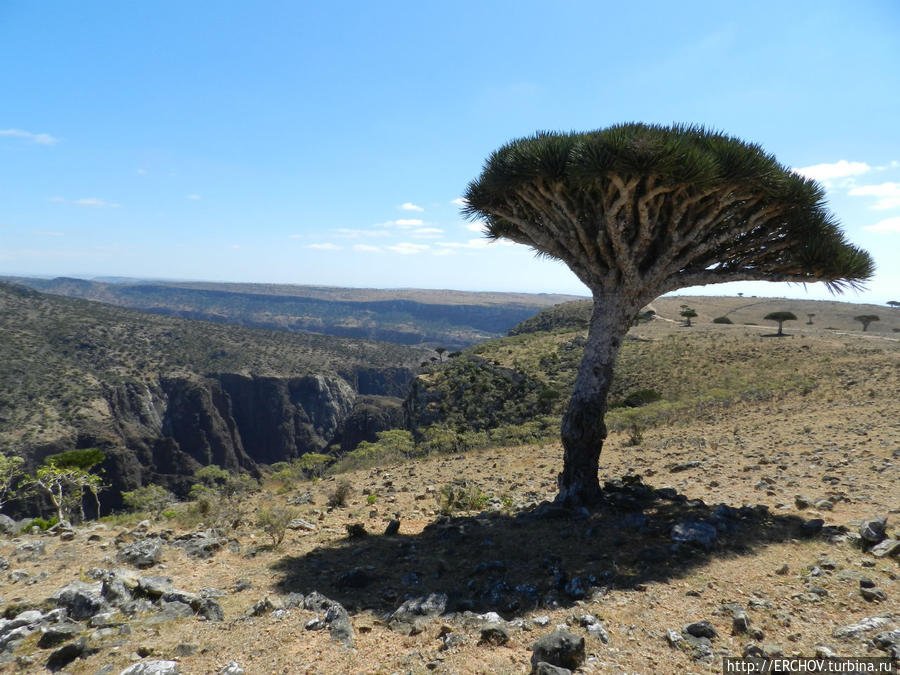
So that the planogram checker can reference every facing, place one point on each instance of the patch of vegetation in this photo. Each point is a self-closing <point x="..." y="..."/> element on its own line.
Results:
<point x="722" y="319"/>
<point x="460" y="496"/>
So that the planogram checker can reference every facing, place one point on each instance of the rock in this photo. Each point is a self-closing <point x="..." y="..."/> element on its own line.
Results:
<point x="674" y="638"/>
<point x="209" y="609"/>
<point x="338" y="621"/>
<point x="63" y="656"/>
<point x="873" y="594"/>
<point x="8" y="526"/>
<point x="355" y="530"/>
<point x="392" y="528"/>
<point x="701" y="629"/>
<point x="292" y="600"/>
<point x="740" y="620"/>
<point x="692" y="532"/>
<point x="494" y="633"/>
<point x="824" y="504"/>
<point x="886" y="547"/>
<point x="884" y="641"/>
<point x="200" y="545"/>
<point x="32" y="550"/>
<point x="263" y="606"/>
<point x="598" y="631"/>
<point x="559" y="648"/>
<point x="544" y="668"/>
<point x="300" y="524"/>
<point x="412" y="616"/>
<point x="154" y="586"/>
<point x="783" y="570"/>
<point x="872" y="530"/>
<point x="80" y="599"/>
<point x="53" y="636"/>
<point x="863" y="626"/>
<point x="231" y="668"/>
<point x="802" y="502"/>
<point x="141" y="554"/>
<point x="152" y="668"/>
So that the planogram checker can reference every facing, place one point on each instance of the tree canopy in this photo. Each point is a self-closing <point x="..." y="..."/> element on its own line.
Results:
<point x="658" y="208"/>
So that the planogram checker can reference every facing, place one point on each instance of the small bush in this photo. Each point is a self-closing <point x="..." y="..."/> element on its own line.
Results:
<point x="371" y="499"/>
<point x="339" y="495"/>
<point x="41" y="523"/>
<point x="153" y="499"/>
<point x="635" y="436"/>
<point x="274" y="523"/>
<point x="637" y="398"/>
<point x="722" y="319"/>
<point x="460" y="496"/>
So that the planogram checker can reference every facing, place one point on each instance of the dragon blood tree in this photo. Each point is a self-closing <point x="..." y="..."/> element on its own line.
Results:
<point x="639" y="210"/>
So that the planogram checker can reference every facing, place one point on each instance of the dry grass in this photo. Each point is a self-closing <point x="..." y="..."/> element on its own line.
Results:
<point x="837" y="438"/>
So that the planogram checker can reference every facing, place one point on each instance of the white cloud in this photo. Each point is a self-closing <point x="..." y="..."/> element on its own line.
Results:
<point x="193" y="197"/>
<point x="407" y="248"/>
<point x="96" y="203"/>
<point x="459" y="201"/>
<point x="835" y="170"/>
<point x="323" y="247"/>
<point x="888" y="195"/>
<point x="472" y="243"/>
<point x="409" y="206"/>
<point x="475" y="227"/>
<point x="365" y="248"/>
<point x="409" y="222"/>
<point x="889" y="225"/>
<point x="40" y="139"/>
<point x="427" y="232"/>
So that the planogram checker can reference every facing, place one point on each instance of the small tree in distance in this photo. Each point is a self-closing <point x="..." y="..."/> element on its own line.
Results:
<point x="780" y="317"/>
<point x="688" y="313"/>
<point x="866" y="319"/>
<point x="893" y="303"/>
<point x="637" y="211"/>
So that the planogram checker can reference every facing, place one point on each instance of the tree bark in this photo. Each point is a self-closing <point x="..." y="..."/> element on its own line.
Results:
<point x="583" y="428"/>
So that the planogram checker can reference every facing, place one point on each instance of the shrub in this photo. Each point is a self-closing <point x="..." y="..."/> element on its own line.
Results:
<point x="460" y="496"/>
<point x="339" y="495"/>
<point x="151" y="498"/>
<point x="722" y="319"/>
<point x="274" y="523"/>
<point x="41" y="523"/>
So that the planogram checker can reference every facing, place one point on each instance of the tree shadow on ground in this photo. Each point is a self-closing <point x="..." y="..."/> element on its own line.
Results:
<point x="546" y="557"/>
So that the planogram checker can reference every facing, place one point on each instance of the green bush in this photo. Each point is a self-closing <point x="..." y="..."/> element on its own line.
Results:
<point x="151" y="498"/>
<point x="722" y="319"/>
<point x="636" y="399"/>
<point x="274" y="522"/>
<point x="339" y="495"/>
<point x="41" y="523"/>
<point x="460" y="496"/>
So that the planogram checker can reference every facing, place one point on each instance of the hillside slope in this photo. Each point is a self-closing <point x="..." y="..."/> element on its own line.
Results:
<point x="162" y="396"/>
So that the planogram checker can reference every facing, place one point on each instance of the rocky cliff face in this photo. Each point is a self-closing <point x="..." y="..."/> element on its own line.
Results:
<point x="163" y="431"/>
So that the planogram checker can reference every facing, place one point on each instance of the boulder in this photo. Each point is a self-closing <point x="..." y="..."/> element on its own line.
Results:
<point x="8" y="526"/>
<point x="693" y="532"/>
<point x="82" y="600"/>
<point x="411" y="617"/>
<point x="559" y="648"/>
<point x="141" y="554"/>
<point x="152" y="668"/>
<point x="872" y="530"/>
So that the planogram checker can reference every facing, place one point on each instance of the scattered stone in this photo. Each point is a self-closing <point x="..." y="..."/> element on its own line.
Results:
<point x="8" y="526"/>
<point x="674" y="638"/>
<point x="802" y="502"/>
<point x="63" y="656"/>
<point x="824" y="504"/>
<point x="200" y="545"/>
<point x="692" y="532"/>
<point x="141" y="554"/>
<point x="885" y="548"/>
<point x="392" y="528"/>
<point x="866" y="582"/>
<point x="152" y="668"/>
<point x="863" y="626"/>
<point x="597" y="630"/>
<point x="740" y="620"/>
<point x="185" y="649"/>
<point x="263" y="606"/>
<point x="872" y="530"/>
<point x="559" y="648"/>
<point x="53" y="636"/>
<point x="873" y="594"/>
<point x="300" y="524"/>
<point x="231" y="668"/>
<point x="701" y="629"/>
<point x="544" y="668"/>
<point x="82" y="600"/>
<point x="412" y="616"/>
<point x="338" y="621"/>
<point x="242" y="585"/>
<point x="783" y="570"/>
<point x="823" y="652"/>
<point x="494" y="633"/>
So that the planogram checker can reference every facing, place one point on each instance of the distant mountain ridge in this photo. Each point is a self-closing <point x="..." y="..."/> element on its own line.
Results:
<point x="431" y="318"/>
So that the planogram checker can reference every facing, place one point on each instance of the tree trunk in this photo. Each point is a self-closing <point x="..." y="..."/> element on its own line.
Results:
<point x="583" y="429"/>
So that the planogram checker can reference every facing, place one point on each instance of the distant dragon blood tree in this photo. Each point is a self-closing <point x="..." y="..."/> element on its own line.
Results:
<point x="639" y="210"/>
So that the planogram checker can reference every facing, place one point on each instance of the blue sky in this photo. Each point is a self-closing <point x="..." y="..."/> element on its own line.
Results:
<point x="325" y="143"/>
